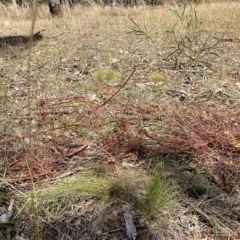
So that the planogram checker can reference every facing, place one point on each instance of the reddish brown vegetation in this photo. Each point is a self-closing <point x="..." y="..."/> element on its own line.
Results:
<point x="204" y="133"/>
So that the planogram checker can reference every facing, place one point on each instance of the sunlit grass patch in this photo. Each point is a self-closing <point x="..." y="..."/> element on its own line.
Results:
<point x="159" y="78"/>
<point x="89" y="183"/>
<point x="106" y="75"/>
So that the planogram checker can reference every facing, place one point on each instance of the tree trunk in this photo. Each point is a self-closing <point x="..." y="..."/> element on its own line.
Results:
<point x="55" y="8"/>
<point x="14" y="3"/>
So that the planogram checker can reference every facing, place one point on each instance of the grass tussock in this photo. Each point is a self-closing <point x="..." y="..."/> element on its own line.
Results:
<point x="158" y="196"/>
<point x="88" y="183"/>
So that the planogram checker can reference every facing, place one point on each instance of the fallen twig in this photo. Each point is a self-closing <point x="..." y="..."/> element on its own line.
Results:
<point x="39" y="133"/>
<point x="105" y="102"/>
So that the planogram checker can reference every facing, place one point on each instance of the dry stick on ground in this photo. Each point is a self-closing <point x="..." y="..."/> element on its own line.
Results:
<point x="73" y="125"/>
<point x="105" y="102"/>
<point x="39" y="133"/>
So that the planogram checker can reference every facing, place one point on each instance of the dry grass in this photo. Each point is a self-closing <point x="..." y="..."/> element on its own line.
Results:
<point x="187" y="118"/>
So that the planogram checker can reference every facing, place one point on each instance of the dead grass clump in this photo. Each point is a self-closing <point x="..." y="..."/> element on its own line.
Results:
<point x="17" y="171"/>
<point x="123" y="140"/>
<point x="208" y="135"/>
<point x="125" y="189"/>
<point x="51" y="159"/>
<point x="17" y="13"/>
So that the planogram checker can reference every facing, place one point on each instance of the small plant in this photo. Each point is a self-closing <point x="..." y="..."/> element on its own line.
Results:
<point x="158" y="194"/>
<point x="107" y="75"/>
<point x="110" y="75"/>
<point x="109" y="128"/>
<point x="153" y="161"/>
<point x="125" y="189"/>
<point x="188" y="39"/>
<point x="84" y="133"/>
<point x="87" y="184"/>
<point x="140" y="33"/>
<point x="159" y="78"/>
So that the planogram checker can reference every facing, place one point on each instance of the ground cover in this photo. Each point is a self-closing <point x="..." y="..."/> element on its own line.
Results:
<point x="117" y="114"/>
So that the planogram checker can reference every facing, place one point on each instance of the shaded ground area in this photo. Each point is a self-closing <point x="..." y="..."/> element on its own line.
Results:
<point x="9" y="44"/>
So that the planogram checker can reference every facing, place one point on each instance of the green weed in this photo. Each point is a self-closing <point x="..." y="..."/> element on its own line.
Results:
<point x="105" y="75"/>
<point x="140" y="33"/>
<point x="187" y="38"/>
<point x="159" y="78"/>
<point x="88" y="183"/>
<point x="158" y="194"/>
<point x="109" y="128"/>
